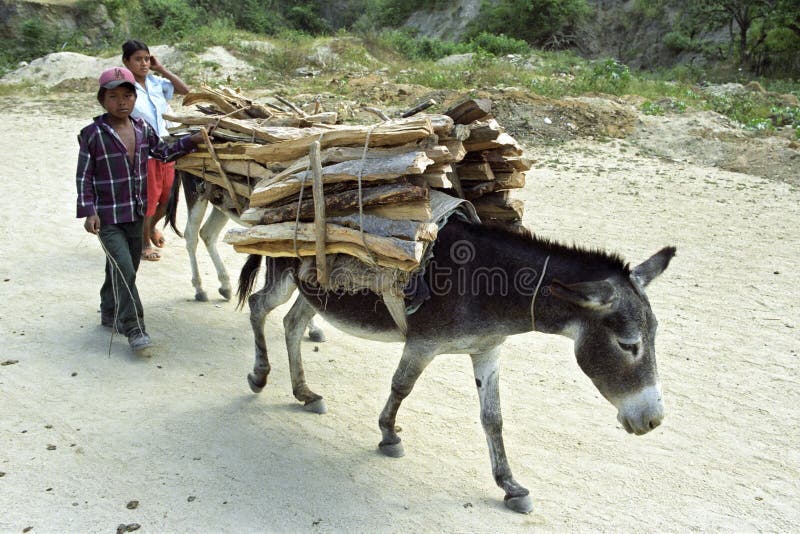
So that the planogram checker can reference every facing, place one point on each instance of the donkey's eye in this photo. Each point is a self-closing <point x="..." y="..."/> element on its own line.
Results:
<point x="633" y="348"/>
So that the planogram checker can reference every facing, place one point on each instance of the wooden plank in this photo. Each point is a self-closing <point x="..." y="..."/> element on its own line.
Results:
<point x="395" y="132"/>
<point x="474" y="190"/>
<point x="470" y="110"/>
<point x="410" y="230"/>
<point x="267" y="192"/>
<point x="214" y="178"/>
<point x="495" y="206"/>
<point x="459" y="132"/>
<point x="482" y="131"/>
<point x="221" y="171"/>
<point x="241" y="167"/>
<point x="286" y="249"/>
<point x="389" y="247"/>
<point x="319" y="213"/>
<point x="341" y="202"/>
<point x="500" y="161"/>
<point x="419" y="210"/>
<point x="456" y="149"/>
<point x="510" y="180"/>
<point x="508" y="144"/>
<point x="481" y="172"/>
<point x="435" y="176"/>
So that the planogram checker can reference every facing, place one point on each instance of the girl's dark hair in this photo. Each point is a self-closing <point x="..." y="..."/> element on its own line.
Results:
<point x="132" y="46"/>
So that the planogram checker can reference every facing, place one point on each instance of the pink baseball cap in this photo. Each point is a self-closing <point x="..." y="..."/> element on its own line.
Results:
<point x="116" y="76"/>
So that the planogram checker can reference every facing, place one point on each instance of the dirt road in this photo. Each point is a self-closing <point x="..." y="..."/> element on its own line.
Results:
<point x="83" y="432"/>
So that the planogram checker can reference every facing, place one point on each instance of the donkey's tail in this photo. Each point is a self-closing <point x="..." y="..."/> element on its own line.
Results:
<point x="247" y="278"/>
<point x="172" y="204"/>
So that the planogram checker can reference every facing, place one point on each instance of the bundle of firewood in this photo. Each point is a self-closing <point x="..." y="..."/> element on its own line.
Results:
<point x="298" y="178"/>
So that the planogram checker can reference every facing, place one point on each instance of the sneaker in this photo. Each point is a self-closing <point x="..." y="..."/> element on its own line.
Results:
<point x="138" y="339"/>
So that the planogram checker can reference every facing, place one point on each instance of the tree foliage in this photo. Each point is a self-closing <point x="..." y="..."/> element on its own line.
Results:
<point x="539" y="22"/>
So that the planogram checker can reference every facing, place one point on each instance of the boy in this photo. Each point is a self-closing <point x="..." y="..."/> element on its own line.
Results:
<point x="112" y="195"/>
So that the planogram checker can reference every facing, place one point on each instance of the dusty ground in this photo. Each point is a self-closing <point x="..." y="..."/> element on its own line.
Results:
<point x="86" y="427"/>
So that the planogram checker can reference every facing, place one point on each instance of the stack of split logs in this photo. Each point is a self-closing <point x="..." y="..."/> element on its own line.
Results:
<point x="308" y="186"/>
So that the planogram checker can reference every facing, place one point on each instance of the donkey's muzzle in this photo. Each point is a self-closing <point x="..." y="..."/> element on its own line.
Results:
<point x="641" y="412"/>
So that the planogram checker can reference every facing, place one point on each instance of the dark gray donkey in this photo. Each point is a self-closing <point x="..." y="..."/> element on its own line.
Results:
<point x="483" y="284"/>
<point x="197" y="199"/>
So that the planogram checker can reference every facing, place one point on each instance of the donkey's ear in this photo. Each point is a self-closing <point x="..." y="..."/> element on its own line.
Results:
<point x="599" y="295"/>
<point x="645" y="272"/>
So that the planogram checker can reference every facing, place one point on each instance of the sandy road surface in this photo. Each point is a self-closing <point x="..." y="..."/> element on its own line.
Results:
<point x="181" y="433"/>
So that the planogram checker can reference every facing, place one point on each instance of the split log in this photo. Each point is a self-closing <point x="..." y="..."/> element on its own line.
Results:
<point x="510" y="180"/>
<point x="268" y="191"/>
<point x="474" y="190"/>
<point x="390" y="247"/>
<point x="478" y="172"/>
<point x="495" y="206"/>
<point x="508" y="144"/>
<point x="437" y="153"/>
<point x="500" y="161"/>
<point x="419" y="210"/>
<point x="396" y="132"/>
<point x="287" y="249"/>
<point x="341" y="202"/>
<point x="216" y="162"/>
<point x="435" y="176"/>
<point x="240" y="189"/>
<point x="459" y="132"/>
<point x="245" y="168"/>
<point x="410" y="230"/>
<point x="224" y="97"/>
<point x="482" y="131"/>
<point x="470" y="110"/>
<point x="456" y="149"/>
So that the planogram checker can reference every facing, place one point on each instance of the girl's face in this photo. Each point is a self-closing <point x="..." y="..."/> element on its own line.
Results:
<point x="119" y="101"/>
<point x="139" y="64"/>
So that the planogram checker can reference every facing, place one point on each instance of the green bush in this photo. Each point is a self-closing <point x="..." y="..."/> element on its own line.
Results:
<point x="499" y="45"/>
<point x="608" y="76"/>
<point x="678" y="41"/>
<point x="174" y="18"/>
<point x="534" y="21"/>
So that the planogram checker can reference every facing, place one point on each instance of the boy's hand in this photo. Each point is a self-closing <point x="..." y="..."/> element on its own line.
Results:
<point x="92" y="224"/>
<point x="198" y="137"/>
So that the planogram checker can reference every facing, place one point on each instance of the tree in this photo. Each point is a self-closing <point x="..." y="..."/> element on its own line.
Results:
<point x="539" y="22"/>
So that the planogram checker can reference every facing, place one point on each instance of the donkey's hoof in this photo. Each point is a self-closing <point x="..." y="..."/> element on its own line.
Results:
<point x="317" y="406"/>
<point x="256" y="383"/>
<point x="225" y="292"/>
<point x="522" y="504"/>
<point x="201" y="296"/>
<point x="317" y="336"/>
<point x="392" y="450"/>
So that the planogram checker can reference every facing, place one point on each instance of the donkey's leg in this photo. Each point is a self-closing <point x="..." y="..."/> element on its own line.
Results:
<point x="315" y="333"/>
<point x="294" y="324"/>
<point x="210" y="234"/>
<point x="276" y="291"/>
<point x="415" y="359"/>
<point x="194" y="219"/>
<point x="486" y="366"/>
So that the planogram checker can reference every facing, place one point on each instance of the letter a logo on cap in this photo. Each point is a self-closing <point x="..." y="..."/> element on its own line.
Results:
<point x="116" y="76"/>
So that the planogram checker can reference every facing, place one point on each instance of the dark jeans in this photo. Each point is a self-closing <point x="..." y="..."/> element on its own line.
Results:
<point x="119" y="294"/>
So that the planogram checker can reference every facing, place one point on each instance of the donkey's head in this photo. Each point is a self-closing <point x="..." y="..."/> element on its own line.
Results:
<point x="614" y="335"/>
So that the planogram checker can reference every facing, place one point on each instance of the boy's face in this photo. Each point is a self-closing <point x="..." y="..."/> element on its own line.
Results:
<point x="119" y="101"/>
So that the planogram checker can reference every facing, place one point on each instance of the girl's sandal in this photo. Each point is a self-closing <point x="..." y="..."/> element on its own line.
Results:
<point x="150" y="254"/>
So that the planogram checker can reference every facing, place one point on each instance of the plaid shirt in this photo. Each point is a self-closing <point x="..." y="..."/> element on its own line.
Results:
<point x="109" y="184"/>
